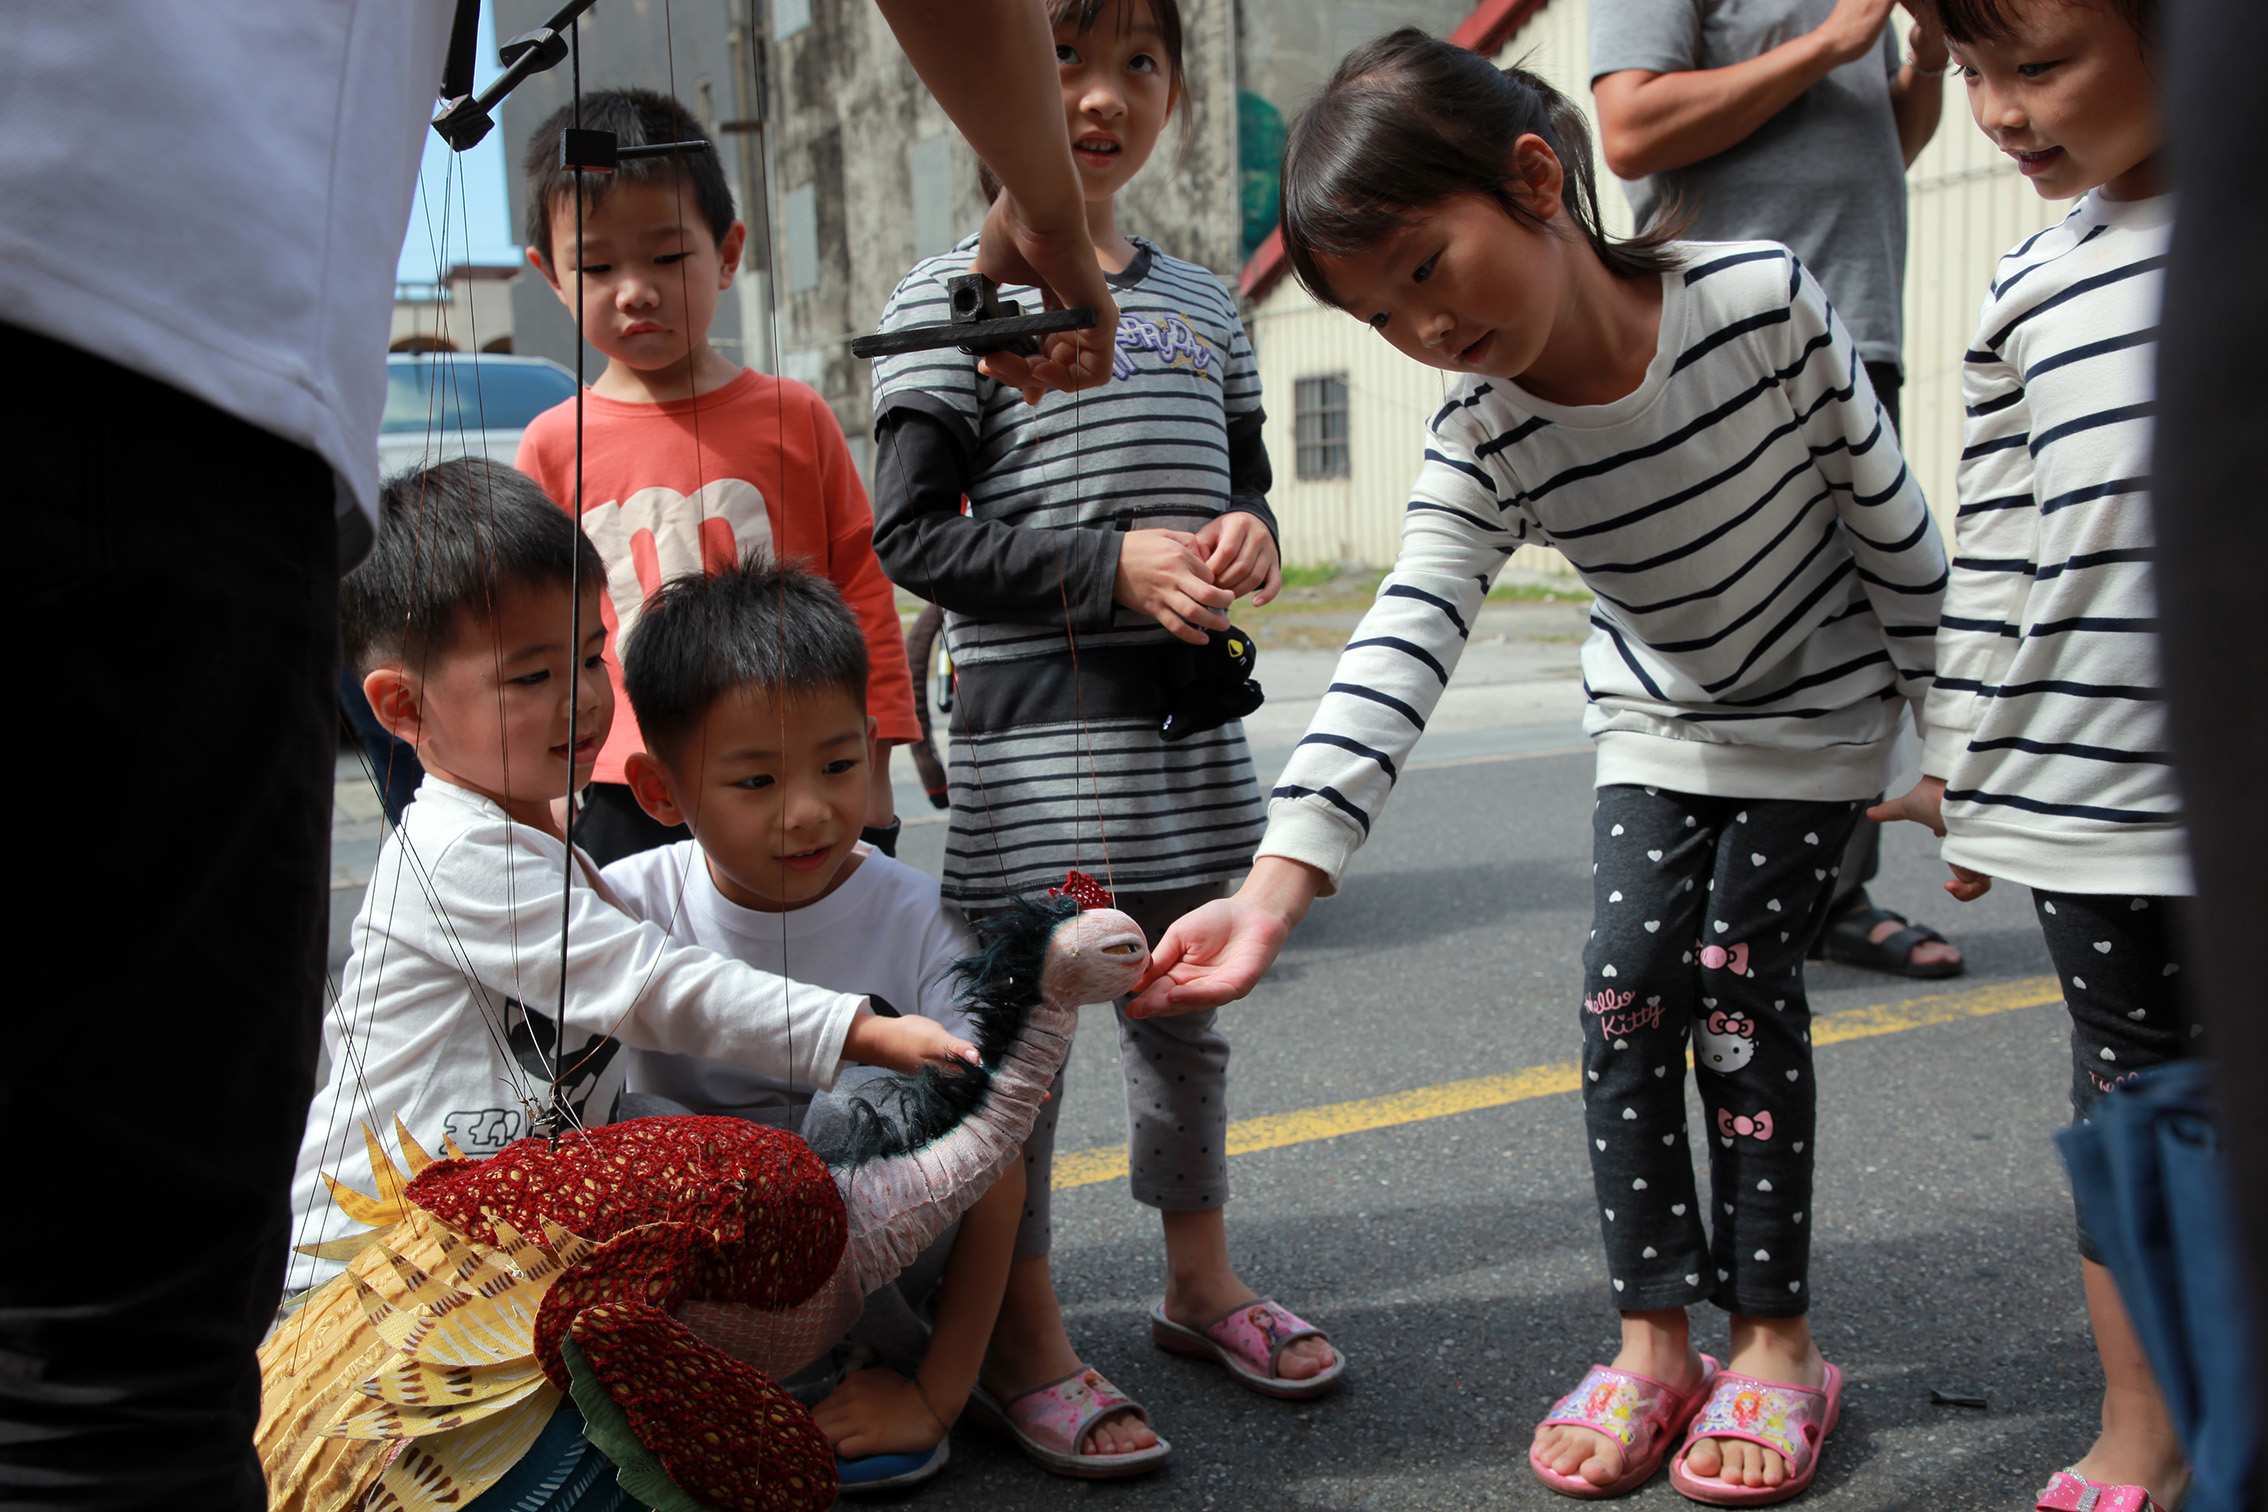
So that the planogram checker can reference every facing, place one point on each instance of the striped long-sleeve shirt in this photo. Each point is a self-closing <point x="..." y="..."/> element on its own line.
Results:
<point x="1766" y="573"/>
<point x="1058" y="760"/>
<point x="2046" y="722"/>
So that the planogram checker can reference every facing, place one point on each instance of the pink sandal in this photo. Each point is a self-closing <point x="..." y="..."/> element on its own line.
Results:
<point x="1249" y="1341"/>
<point x="2069" y="1491"/>
<point x="1049" y="1422"/>
<point x="1792" y="1421"/>
<point x="1638" y="1412"/>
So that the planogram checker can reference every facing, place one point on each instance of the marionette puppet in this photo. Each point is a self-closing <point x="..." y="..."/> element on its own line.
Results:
<point x="664" y="1273"/>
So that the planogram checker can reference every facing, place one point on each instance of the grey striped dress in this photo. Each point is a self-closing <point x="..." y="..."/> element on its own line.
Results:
<point x="1057" y="761"/>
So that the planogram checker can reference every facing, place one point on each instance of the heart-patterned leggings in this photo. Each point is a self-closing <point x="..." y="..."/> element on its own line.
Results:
<point x="1702" y="910"/>
<point x="2118" y="960"/>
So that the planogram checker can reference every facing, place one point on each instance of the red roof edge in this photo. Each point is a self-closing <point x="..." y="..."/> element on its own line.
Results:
<point x="1487" y="28"/>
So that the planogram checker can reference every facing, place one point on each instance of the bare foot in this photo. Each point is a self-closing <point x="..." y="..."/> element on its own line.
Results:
<point x="877" y="1412"/>
<point x="1654" y="1344"/>
<point x="1778" y="1350"/>
<point x="1202" y="1288"/>
<point x="2138" y="1446"/>
<point x="1030" y="1349"/>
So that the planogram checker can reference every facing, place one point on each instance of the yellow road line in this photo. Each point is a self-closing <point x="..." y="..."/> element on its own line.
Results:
<point x="1273" y="1131"/>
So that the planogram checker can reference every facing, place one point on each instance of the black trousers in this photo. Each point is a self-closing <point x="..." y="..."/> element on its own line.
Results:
<point x="1702" y="910"/>
<point x="176" y="673"/>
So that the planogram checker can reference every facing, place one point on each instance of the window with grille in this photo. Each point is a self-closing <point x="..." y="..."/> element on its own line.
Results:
<point x="1319" y="426"/>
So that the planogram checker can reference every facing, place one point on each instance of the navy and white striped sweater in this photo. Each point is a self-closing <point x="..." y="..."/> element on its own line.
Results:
<point x="1767" y="574"/>
<point x="2046" y="722"/>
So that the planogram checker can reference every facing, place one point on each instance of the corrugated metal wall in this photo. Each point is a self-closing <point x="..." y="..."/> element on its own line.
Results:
<point x="1968" y="205"/>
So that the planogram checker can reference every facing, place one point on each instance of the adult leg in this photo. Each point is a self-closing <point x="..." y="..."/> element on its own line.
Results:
<point x="1176" y="1071"/>
<point x="2121" y="982"/>
<point x="1653" y="851"/>
<point x="1752" y="1053"/>
<point x="184" y="625"/>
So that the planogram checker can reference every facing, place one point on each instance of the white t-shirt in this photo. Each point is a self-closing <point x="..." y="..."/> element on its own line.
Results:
<point x="446" y="1014"/>
<point x="884" y="932"/>
<point x="215" y="195"/>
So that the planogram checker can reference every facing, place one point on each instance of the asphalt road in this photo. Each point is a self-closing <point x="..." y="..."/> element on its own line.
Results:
<point x="1456" y="1260"/>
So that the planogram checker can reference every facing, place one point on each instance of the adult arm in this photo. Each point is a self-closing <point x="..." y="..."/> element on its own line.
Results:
<point x="1917" y="91"/>
<point x="991" y="65"/>
<point x="1651" y="121"/>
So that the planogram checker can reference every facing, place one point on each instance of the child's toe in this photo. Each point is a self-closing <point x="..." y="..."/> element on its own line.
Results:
<point x="1305" y="1360"/>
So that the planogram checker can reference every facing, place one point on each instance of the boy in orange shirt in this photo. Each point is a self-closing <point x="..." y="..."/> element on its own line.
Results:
<point x="689" y="460"/>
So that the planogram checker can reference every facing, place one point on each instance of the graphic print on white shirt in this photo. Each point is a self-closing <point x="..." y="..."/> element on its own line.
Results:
<point x="652" y="536"/>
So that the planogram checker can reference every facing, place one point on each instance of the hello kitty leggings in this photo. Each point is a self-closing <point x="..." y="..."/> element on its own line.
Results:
<point x="1702" y="910"/>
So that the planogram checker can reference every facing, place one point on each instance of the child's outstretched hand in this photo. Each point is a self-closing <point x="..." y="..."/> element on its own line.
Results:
<point x="1925" y="805"/>
<point x="878" y="1412"/>
<point x="1241" y="555"/>
<point x="1217" y="953"/>
<point x="1162" y="573"/>
<point x="905" y="1044"/>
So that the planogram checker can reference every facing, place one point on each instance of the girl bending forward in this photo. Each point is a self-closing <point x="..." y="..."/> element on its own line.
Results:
<point x="1690" y="425"/>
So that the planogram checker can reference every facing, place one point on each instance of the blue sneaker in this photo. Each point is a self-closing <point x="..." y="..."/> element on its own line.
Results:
<point x="888" y="1472"/>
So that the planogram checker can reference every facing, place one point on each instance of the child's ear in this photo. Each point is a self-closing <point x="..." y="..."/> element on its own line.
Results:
<point x="728" y="253"/>
<point x="1536" y="176"/>
<point x="395" y="700"/>
<point x="652" y="786"/>
<point x="542" y="264"/>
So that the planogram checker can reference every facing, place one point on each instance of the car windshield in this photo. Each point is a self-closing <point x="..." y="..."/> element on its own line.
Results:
<point x="469" y="393"/>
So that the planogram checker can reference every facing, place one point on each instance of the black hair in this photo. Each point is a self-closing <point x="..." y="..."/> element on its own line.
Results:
<point x="778" y="627"/>
<point x="1084" y="14"/>
<point x="638" y="118"/>
<point x="1968" y="21"/>
<point x="1409" y="120"/>
<point x="452" y="538"/>
<point x="1000" y="986"/>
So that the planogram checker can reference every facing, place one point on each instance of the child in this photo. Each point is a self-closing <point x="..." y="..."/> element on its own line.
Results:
<point x="688" y="461"/>
<point x="2046" y="760"/>
<point x="1692" y="427"/>
<point x="448" y="1015"/>
<point x="750" y="687"/>
<point x="1100" y="529"/>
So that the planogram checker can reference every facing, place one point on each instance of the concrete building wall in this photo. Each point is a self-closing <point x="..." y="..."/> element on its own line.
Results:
<point x="1967" y="205"/>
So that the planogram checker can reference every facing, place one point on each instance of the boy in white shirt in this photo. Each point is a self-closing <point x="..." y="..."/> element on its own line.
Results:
<point x="450" y="1015"/>
<point x="750" y="690"/>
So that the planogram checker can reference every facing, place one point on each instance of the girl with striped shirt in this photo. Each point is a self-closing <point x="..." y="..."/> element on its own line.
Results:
<point x="2048" y="760"/>
<point x="1105" y="535"/>
<point x="1691" y="426"/>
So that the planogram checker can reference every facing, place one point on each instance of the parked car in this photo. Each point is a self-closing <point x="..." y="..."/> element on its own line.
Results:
<point x="457" y="404"/>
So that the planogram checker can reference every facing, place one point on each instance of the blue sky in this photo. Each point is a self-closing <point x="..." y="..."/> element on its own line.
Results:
<point x="465" y="197"/>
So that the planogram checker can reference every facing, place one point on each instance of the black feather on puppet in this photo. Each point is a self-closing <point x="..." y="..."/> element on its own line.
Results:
<point x="1000" y="986"/>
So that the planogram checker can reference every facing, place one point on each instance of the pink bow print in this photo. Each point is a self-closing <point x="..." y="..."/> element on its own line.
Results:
<point x="1721" y="1022"/>
<point x="1717" y="956"/>
<point x="1730" y="1123"/>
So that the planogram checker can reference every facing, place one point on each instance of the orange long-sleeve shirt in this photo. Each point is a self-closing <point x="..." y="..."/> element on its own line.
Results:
<point x="694" y="484"/>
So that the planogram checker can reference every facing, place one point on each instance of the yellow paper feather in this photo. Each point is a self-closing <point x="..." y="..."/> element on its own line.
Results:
<point x="444" y="1473"/>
